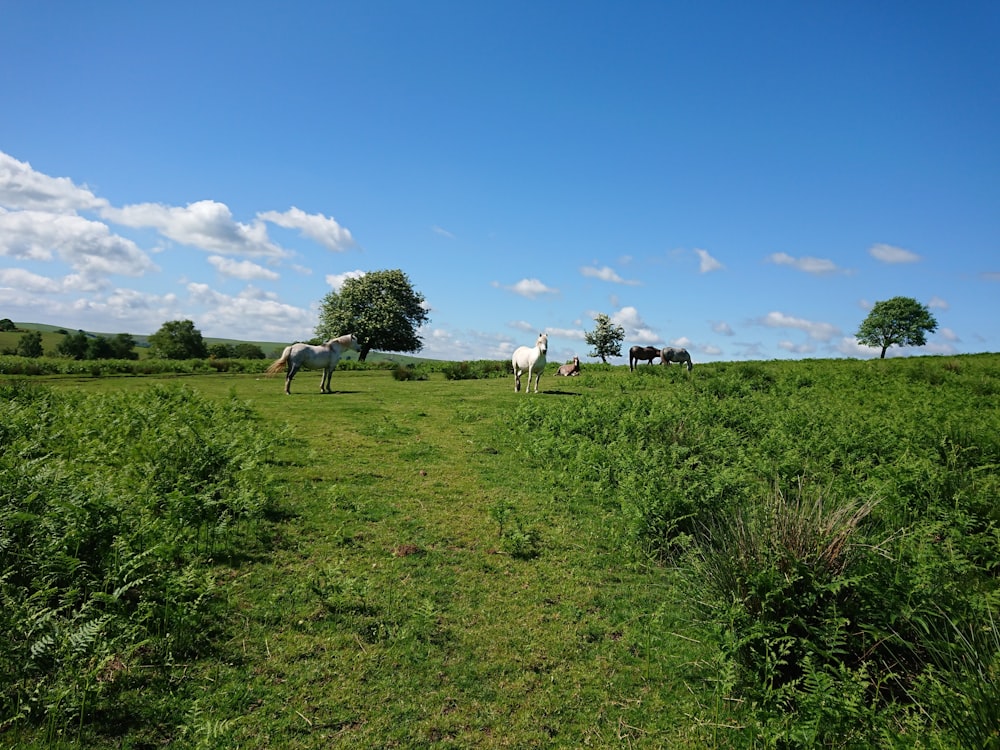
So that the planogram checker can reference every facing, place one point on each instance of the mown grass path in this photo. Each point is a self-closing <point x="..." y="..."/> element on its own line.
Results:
<point x="389" y="611"/>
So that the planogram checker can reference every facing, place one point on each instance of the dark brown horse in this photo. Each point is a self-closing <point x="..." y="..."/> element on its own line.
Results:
<point x="647" y="353"/>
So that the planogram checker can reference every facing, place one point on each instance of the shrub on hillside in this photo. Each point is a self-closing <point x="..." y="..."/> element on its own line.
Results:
<point x="408" y="372"/>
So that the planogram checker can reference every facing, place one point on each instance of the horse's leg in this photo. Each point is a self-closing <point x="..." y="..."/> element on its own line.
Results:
<point x="292" y="369"/>
<point x="517" y="379"/>
<point x="324" y="385"/>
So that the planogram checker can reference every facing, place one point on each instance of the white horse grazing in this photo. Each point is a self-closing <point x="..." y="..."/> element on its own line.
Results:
<point x="670" y="354"/>
<point x="323" y="357"/>
<point x="530" y="359"/>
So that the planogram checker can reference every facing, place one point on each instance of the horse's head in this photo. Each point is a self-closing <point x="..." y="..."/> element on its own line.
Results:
<point x="543" y="342"/>
<point x="354" y="343"/>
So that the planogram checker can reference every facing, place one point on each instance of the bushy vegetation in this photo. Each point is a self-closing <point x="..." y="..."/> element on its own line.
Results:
<point x="409" y="372"/>
<point x="834" y="520"/>
<point x="111" y="510"/>
<point x="477" y="369"/>
<point x="10" y="365"/>
<point x="765" y="554"/>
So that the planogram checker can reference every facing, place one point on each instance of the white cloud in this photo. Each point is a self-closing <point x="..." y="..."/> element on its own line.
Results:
<point x="938" y="303"/>
<point x="817" y="331"/>
<point x="890" y="254"/>
<point x="522" y="325"/>
<point x="707" y="263"/>
<point x="25" y="281"/>
<point x="850" y="347"/>
<point x="245" y="269"/>
<point x="948" y="335"/>
<point x="529" y="288"/>
<point x="323" y="229"/>
<point x="336" y="280"/>
<point x="805" y="263"/>
<point x="788" y="346"/>
<point x="88" y="246"/>
<point x="442" y="232"/>
<point x="250" y="315"/>
<point x="21" y="187"/>
<point x="138" y="312"/>
<point x="207" y="225"/>
<point x="577" y="334"/>
<point x="606" y="273"/>
<point x="636" y="329"/>
<point x="722" y="328"/>
<point x="935" y="347"/>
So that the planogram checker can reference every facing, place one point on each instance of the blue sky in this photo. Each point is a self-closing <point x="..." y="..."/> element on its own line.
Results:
<point x="743" y="179"/>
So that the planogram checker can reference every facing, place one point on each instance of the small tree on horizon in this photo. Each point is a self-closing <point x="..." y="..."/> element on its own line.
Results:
<point x="901" y="321"/>
<point x="606" y="338"/>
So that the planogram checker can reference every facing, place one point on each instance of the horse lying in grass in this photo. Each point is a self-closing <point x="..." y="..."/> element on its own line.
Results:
<point x="670" y="354"/>
<point x="323" y="357"/>
<point x="570" y="370"/>
<point x="647" y="353"/>
<point x="530" y="359"/>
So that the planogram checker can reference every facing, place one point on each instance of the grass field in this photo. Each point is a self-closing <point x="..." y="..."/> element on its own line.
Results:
<point x="451" y="568"/>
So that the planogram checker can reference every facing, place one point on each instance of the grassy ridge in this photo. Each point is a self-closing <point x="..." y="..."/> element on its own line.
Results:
<point x="469" y="567"/>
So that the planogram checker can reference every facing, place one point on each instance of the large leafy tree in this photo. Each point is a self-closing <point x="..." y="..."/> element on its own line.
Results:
<point x="901" y="321"/>
<point x="381" y="308"/>
<point x="606" y="338"/>
<point x="177" y="339"/>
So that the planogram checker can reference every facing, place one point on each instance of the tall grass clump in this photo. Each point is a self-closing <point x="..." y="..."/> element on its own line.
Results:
<point x="111" y="510"/>
<point x="787" y="581"/>
<point x="961" y="685"/>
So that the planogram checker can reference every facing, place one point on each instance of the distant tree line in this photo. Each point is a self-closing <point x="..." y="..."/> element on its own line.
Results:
<point x="235" y="351"/>
<point x="176" y="339"/>
<point x="80" y="345"/>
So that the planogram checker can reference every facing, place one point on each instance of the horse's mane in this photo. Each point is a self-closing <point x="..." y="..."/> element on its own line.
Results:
<point x="344" y="340"/>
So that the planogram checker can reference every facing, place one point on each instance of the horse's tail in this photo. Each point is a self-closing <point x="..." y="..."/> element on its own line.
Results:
<point x="278" y="365"/>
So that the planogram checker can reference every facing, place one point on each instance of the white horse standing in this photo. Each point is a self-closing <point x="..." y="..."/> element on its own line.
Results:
<point x="530" y="359"/>
<point x="324" y="357"/>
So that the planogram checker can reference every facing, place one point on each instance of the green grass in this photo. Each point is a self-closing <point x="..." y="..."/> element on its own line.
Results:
<point x="445" y="578"/>
<point x="389" y="613"/>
